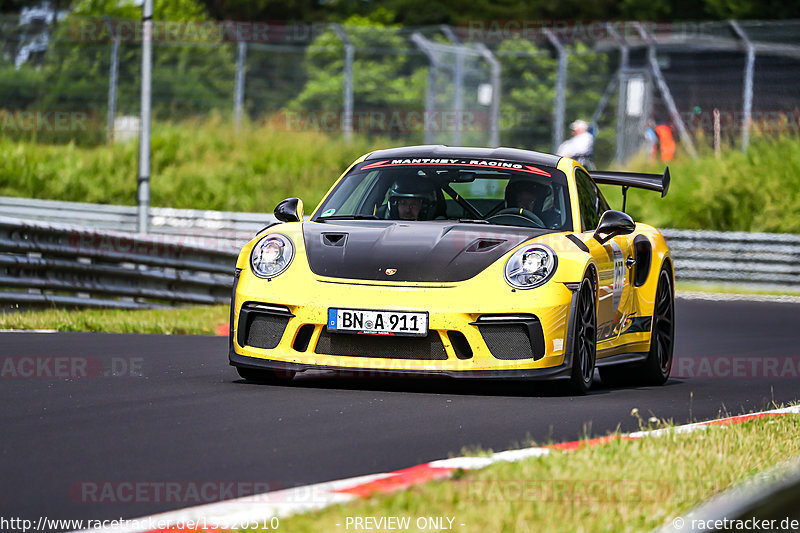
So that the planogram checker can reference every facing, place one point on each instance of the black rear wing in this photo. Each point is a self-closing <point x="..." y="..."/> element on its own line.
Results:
<point x="639" y="180"/>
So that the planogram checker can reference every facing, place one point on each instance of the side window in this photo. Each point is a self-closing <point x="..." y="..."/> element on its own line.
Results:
<point x="590" y="199"/>
<point x="602" y="205"/>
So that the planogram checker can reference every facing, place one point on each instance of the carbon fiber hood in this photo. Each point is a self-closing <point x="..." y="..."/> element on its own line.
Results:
<point x="436" y="251"/>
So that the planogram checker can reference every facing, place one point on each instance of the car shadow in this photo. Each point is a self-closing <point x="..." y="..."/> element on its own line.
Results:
<point x="432" y="385"/>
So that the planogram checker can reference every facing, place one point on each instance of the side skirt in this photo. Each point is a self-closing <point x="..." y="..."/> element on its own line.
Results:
<point x="621" y="359"/>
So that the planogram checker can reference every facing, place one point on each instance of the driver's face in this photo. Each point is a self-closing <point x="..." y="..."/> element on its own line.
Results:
<point x="525" y="200"/>
<point x="409" y="208"/>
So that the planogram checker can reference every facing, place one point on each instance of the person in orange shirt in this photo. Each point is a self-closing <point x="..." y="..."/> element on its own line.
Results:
<point x="666" y="141"/>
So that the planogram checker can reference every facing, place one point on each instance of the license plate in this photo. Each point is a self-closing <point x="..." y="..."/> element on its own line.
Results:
<point x="378" y="322"/>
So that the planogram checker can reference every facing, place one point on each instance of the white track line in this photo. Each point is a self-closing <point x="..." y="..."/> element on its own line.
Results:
<point x="28" y="331"/>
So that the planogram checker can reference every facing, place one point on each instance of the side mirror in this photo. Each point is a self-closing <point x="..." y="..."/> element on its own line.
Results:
<point x="290" y="210"/>
<point x="613" y="223"/>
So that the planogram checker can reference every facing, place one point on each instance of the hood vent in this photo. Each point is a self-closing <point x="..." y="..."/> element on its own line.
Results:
<point x="484" y="245"/>
<point x="334" y="239"/>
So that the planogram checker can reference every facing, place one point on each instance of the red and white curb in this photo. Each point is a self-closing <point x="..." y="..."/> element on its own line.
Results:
<point x="262" y="508"/>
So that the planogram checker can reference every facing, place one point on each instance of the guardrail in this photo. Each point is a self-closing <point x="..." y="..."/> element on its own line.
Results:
<point x="738" y="257"/>
<point x="67" y="265"/>
<point x="222" y="227"/>
<point x="66" y="253"/>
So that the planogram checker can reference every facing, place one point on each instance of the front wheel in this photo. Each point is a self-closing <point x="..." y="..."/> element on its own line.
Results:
<point x="266" y="375"/>
<point x="584" y="341"/>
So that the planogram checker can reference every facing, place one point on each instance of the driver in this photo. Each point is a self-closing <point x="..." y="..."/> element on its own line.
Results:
<point x="531" y="196"/>
<point x="412" y="198"/>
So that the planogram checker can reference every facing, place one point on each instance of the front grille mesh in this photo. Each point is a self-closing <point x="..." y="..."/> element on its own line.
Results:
<point x="384" y="346"/>
<point x="507" y="341"/>
<point x="265" y="331"/>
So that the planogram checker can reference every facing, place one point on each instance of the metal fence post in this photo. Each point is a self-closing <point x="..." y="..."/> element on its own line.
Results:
<point x="238" y="98"/>
<point x="686" y="139"/>
<point x="747" y="90"/>
<point x="112" y="88"/>
<point x="458" y="82"/>
<point x="458" y="100"/>
<point x="349" y="53"/>
<point x="430" y="88"/>
<point x="449" y="33"/>
<point x="561" y="89"/>
<point x="430" y="101"/>
<point x="494" y="119"/>
<point x="624" y="51"/>
<point x="143" y="189"/>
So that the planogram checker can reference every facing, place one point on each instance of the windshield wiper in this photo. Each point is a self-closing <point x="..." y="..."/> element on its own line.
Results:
<point x="347" y="217"/>
<point x="472" y="221"/>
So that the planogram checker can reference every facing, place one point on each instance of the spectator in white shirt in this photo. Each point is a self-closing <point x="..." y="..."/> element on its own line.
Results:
<point x="580" y="146"/>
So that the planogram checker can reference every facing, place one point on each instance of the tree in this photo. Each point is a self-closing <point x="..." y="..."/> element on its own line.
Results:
<point x="528" y="102"/>
<point x="386" y="75"/>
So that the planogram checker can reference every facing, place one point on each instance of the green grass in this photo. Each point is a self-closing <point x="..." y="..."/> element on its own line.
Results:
<point x="199" y="320"/>
<point x="196" y="165"/>
<point x="619" y="486"/>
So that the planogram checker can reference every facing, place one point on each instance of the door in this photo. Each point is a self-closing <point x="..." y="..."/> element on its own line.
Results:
<point x="614" y="287"/>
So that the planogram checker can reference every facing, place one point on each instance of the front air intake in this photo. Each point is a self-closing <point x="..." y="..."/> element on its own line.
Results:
<point x="384" y="346"/>
<point x="265" y="331"/>
<point x="512" y="337"/>
<point x="262" y="325"/>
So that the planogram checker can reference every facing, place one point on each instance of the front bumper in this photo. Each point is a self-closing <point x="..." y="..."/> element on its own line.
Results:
<point x="453" y="308"/>
<point x="557" y="372"/>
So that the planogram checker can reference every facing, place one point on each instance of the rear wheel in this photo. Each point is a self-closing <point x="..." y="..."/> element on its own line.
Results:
<point x="659" y="360"/>
<point x="266" y="375"/>
<point x="657" y="366"/>
<point x="584" y="341"/>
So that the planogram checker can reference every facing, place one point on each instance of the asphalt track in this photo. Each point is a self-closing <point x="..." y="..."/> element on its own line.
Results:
<point x="188" y="420"/>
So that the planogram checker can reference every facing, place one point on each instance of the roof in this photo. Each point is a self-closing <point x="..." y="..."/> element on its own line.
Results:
<point x="467" y="152"/>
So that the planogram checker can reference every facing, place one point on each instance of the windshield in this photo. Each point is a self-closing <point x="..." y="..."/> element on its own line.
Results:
<point x="467" y="190"/>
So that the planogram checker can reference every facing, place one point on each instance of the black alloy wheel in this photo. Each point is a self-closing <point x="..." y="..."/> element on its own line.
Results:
<point x="584" y="340"/>
<point x="662" y="337"/>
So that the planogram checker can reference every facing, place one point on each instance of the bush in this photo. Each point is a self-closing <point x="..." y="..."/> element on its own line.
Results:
<point x="198" y="165"/>
<point x="754" y="191"/>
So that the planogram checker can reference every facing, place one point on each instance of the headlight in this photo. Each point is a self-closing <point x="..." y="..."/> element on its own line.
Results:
<point x="271" y="255"/>
<point x="530" y="266"/>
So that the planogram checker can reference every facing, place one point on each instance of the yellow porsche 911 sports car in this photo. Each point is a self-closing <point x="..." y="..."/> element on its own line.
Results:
<point x="460" y="262"/>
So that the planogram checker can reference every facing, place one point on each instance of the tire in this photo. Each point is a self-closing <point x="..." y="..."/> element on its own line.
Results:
<point x="657" y="366"/>
<point x="584" y="341"/>
<point x="266" y="375"/>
